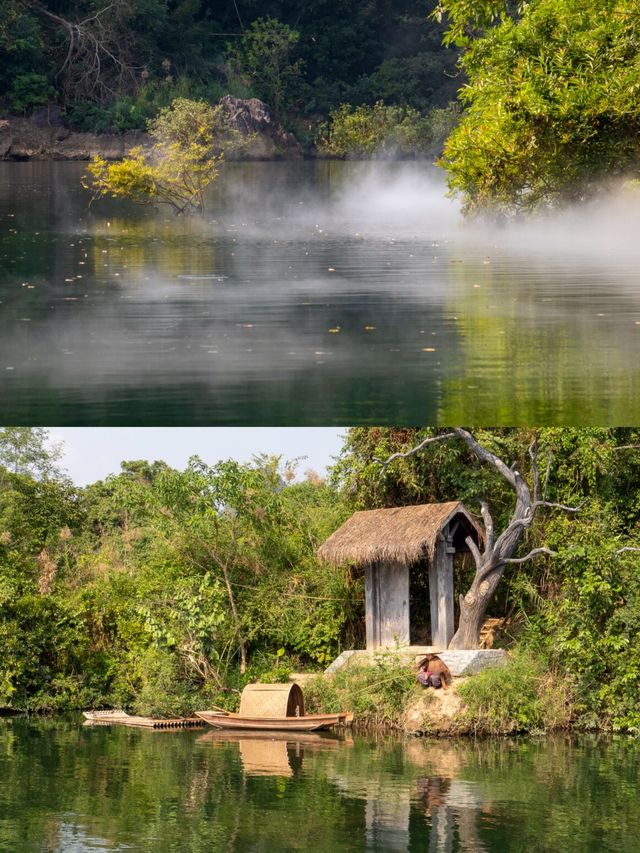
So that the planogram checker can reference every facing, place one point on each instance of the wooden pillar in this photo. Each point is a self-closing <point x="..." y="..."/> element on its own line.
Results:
<point x="386" y="592"/>
<point x="441" y="593"/>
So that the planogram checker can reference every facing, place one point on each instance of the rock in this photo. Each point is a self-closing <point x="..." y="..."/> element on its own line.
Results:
<point x="44" y="136"/>
<point x="472" y="661"/>
<point x="26" y="139"/>
<point x="6" y="138"/>
<point x="254" y="117"/>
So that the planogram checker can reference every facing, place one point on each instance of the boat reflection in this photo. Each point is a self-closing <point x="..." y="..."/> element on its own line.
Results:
<point x="274" y="753"/>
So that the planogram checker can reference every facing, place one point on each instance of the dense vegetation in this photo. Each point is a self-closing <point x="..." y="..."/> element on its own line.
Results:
<point x="161" y="589"/>
<point x="114" y="64"/>
<point x="552" y="110"/>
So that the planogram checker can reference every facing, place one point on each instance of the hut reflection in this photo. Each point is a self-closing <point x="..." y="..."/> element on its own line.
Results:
<point x="273" y="754"/>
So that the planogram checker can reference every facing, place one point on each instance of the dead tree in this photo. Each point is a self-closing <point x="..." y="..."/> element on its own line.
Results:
<point x="494" y="553"/>
<point x="97" y="63"/>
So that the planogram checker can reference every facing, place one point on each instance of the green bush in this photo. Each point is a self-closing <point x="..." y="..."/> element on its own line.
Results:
<point x="522" y="696"/>
<point x="377" y="694"/>
<point x="379" y="131"/>
<point x="29" y="90"/>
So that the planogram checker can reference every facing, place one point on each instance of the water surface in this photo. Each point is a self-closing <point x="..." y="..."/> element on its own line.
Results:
<point x="66" y="787"/>
<point x="309" y="293"/>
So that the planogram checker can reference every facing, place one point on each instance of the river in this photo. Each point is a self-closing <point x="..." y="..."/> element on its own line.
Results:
<point x="66" y="788"/>
<point x="309" y="293"/>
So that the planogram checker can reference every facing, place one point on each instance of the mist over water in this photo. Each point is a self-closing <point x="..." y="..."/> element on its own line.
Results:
<point x="313" y="293"/>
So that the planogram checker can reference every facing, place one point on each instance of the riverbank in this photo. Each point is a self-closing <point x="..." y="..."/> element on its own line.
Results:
<point x="518" y="697"/>
<point x="46" y="136"/>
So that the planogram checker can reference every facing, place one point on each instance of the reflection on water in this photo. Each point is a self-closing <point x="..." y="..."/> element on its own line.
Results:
<point x="310" y="293"/>
<point x="65" y="787"/>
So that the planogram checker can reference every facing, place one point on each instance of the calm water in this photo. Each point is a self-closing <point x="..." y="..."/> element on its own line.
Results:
<point x="310" y="293"/>
<point x="69" y="788"/>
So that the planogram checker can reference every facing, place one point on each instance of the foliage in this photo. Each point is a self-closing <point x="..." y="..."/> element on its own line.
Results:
<point x="29" y="90"/>
<point x="114" y="63"/>
<point x="176" y="170"/>
<point x="383" y="131"/>
<point x="551" y="112"/>
<point x="377" y="694"/>
<point x="165" y="590"/>
<point x="265" y="56"/>
<point x="522" y="696"/>
<point x="28" y="450"/>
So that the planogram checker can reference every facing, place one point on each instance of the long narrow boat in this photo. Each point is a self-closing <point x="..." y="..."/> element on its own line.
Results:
<point x="309" y="723"/>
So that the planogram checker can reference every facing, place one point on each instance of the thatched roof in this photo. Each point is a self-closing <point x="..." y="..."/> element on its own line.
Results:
<point x="403" y="534"/>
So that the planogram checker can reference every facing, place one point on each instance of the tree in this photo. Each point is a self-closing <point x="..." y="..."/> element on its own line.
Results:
<point x="495" y="552"/>
<point x="178" y="168"/>
<point x="28" y="450"/>
<point x="552" y="111"/>
<point x="264" y="56"/>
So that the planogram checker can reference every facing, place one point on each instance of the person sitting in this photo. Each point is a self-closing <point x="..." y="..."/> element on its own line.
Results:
<point x="432" y="672"/>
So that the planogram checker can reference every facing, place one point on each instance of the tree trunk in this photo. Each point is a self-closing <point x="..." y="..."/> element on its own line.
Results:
<point x="473" y="607"/>
<point x="232" y="602"/>
<point x="496" y="553"/>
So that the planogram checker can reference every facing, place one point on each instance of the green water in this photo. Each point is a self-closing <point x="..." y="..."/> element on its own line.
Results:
<point x="66" y="787"/>
<point x="309" y="293"/>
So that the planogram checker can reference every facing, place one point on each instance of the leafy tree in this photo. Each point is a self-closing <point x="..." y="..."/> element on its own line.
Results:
<point x="264" y="55"/>
<point x="28" y="450"/>
<point x="551" y="112"/>
<point x="182" y="163"/>
<point x="381" y="131"/>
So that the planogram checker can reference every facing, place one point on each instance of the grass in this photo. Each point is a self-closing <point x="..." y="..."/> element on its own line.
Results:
<point x="521" y="696"/>
<point x="378" y="693"/>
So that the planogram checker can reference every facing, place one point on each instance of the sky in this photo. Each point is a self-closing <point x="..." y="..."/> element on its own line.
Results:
<point x="92" y="453"/>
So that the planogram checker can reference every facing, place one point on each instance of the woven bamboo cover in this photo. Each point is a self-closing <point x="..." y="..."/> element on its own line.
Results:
<point x="272" y="700"/>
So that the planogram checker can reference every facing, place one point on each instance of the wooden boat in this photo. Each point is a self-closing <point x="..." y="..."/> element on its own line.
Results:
<point x="309" y="723"/>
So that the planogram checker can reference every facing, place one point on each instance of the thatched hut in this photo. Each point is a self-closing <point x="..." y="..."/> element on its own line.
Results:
<point x="402" y="550"/>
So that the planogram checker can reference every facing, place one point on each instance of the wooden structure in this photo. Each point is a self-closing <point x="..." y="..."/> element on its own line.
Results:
<point x="121" y="718"/>
<point x="272" y="700"/>
<point x="390" y="545"/>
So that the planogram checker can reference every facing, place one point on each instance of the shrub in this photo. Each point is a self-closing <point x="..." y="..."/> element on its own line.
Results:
<point x="29" y="90"/>
<point x="377" y="694"/>
<point x="521" y="696"/>
<point x="379" y="130"/>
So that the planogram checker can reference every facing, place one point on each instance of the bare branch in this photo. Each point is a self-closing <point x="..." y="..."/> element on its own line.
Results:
<point x="626" y="548"/>
<point x="530" y="555"/>
<point x="488" y="526"/>
<point x="430" y="440"/>
<point x="477" y="556"/>
<point x="533" y="453"/>
<point x="552" y="505"/>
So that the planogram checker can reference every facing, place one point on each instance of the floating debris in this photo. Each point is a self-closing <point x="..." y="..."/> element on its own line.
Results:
<point x="202" y="277"/>
<point x="428" y="349"/>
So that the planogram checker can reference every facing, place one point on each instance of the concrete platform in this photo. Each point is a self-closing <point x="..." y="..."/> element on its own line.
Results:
<point x="464" y="662"/>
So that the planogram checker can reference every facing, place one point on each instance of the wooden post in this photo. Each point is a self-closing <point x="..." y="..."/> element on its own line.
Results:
<point x="441" y="593"/>
<point x="371" y="606"/>
<point x="387" y="605"/>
